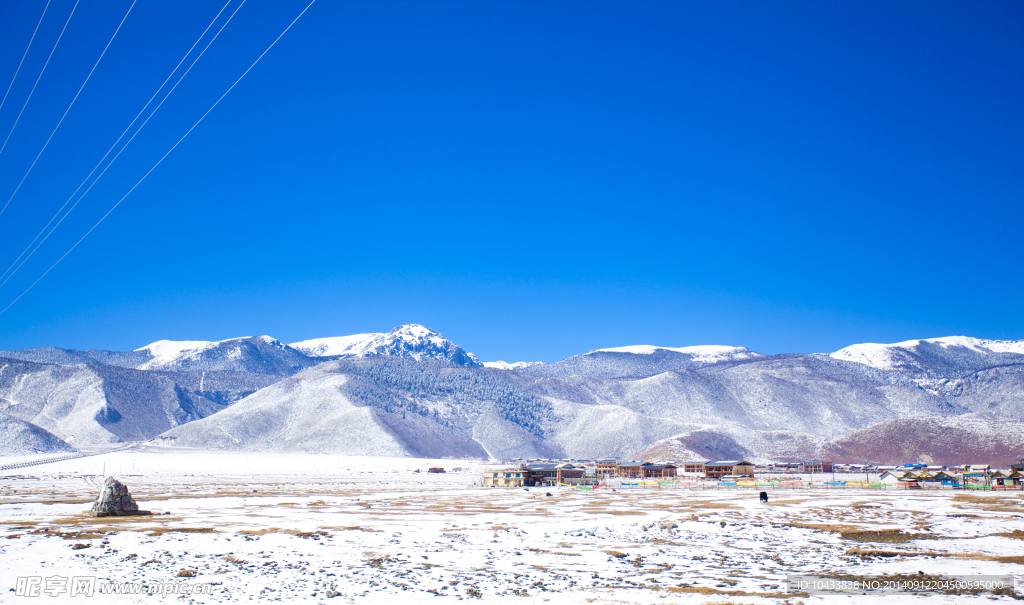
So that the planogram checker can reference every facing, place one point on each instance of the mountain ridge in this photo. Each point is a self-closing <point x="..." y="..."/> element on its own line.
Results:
<point x="412" y="392"/>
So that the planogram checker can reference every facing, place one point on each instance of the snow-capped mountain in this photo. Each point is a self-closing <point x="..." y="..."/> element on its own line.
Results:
<point x="410" y="340"/>
<point x="254" y="354"/>
<point x="935" y="356"/>
<point x="411" y="391"/>
<point x="94" y="398"/>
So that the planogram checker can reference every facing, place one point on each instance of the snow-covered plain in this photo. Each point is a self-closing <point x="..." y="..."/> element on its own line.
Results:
<point x="335" y="529"/>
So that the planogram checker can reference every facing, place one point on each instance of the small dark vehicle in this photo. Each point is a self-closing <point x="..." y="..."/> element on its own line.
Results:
<point x="764" y="496"/>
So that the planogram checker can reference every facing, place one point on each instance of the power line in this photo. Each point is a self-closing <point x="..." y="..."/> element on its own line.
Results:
<point x="84" y="181"/>
<point x="4" y="146"/>
<point x="30" y="40"/>
<point x="80" y="88"/>
<point x="114" y="207"/>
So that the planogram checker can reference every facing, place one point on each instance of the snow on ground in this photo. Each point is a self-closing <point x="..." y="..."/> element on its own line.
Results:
<point x="334" y="529"/>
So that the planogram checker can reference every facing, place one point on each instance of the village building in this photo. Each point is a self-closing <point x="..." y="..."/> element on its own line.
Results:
<point x="891" y="477"/>
<point x="1002" y="478"/>
<point x="658" y="471"/>
<point x="605" y="467"/>
<point x="505" y="478"/>
<point x="693" y="467"/>
<point x="816" y="466"/>
<point x="721" y="468"/>
<point x="550" y="474"/>
<point x="629" y="470"/>
<point x="976" y="474"/>
<point x="944" y="478"/>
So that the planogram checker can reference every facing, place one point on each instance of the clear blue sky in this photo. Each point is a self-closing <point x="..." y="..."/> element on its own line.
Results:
<point x="532" y="179"/>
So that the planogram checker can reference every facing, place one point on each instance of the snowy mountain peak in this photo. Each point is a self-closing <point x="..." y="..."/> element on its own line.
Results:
<point x="409" y="340"/>
<point x="165" y="352"/>
<point x="977" y="344"/>
<point x="162" y="348"/>
<point x="419" y="342"/>
<point x="909" y="353"/>
<point x="410" y="332"/>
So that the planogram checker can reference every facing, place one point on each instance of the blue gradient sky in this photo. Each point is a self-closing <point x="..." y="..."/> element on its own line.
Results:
<point x="532" y="179"/>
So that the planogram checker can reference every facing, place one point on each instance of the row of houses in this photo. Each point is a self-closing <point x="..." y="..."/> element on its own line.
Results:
<point x="551" y="473"/>
<point x="975" y="474"/>
<point x="647" y="470"/>
<point x="531" y="474"/>
<point x="534" y="475"/>
<point x="632" y="469"/>
<point x="809" y="466"/>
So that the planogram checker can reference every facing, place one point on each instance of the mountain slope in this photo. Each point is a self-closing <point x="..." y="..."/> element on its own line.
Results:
<point x="20" y="438"/>
<point x="56" y="356"/>
<point x="308" y="414"/>
<point x="639" y="361"/>
<point x="93" y="404"/>
<point x="381" y="404"/>
<point x="963" y="440"/>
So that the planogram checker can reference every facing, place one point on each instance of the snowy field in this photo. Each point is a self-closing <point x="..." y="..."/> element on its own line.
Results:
<point x="333" y="529"/>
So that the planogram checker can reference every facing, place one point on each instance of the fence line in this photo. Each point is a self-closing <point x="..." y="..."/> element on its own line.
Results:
<point x="60" y="458"/>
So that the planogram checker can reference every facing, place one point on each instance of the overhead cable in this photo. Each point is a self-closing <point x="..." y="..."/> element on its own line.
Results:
<point x="30" y="40"/>
<point x="84" y="181"/>
<point x="173" y="147"/>
<point x="31" y="92"/>
<point x="80" y="88"/>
